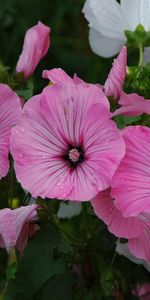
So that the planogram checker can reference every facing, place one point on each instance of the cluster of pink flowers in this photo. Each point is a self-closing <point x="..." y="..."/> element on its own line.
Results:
<point x="65" y="145"/>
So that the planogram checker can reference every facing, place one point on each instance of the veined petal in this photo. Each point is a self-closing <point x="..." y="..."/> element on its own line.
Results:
<point x="140" y="246"/>
<point x="131" y="182"/>
<point x="116" y="77"/>
<point x="132" y="105"/>
<point x="10" y="111"/>
<point x="105" y="209"/>
<point x="66" y="116"/>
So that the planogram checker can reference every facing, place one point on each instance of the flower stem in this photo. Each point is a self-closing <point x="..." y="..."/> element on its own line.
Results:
<point x="140" y="54"/>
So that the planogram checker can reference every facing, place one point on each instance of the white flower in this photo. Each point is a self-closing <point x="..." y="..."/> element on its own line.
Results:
<point x="69" y="210"/>
<point x="108" y="20"/>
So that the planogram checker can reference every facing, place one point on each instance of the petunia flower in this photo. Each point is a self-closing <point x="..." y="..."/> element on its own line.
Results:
<point x="116" y="77"/>
<point x="131" y="182"/>
<point x="65" y="145"/>
<point x="108" y="21"/>
<point x="16" y="226"/>
<point x="10" y="110"/>
<point x="36" y="45"/>
<point x="135" y="229"/>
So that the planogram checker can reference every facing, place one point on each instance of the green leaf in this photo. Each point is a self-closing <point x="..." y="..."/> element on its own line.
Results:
<point x="37" y="265"/>
<point x="27" y="92"/>
<point x="123" y="121"/>
<point x="59" y="288"/>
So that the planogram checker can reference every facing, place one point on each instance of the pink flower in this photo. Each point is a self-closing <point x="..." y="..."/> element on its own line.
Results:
<point x="36" y="44"/>
<point x="10" y="109"/>
<point x="16" y="226"/>
<point x="132" y="105"/>
<point x="135" y="229"/>
<point x="116" y="77"/>
<point x="131" y="182"/>
<point x="65" y="145"/>
<point x="142" y="291"/>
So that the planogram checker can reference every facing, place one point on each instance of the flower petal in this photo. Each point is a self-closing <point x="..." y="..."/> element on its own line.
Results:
<point x="104" y="46"/>
<point x="140" y="246"/>
<point x="65" y="115"/>
<point x="10" y="110"/>
<point x="105" y="209"/>
<point x="132" y="105"/>
<point x="131" y="182"/>
<point x="116" y="77"/>
<point x="109" y="20"/>
<point x="36" y="44"/>
<point x="136" y="12"/>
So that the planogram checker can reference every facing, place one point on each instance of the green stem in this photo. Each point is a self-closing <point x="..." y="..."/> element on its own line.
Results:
<point x="113" y="259"/>
<point x="140" y="55"/>
<point x="86" y="227"/>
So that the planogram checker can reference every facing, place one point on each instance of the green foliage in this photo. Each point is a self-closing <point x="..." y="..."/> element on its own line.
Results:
<point x="137" y="80"/>
<point x="37" y="265"/>
<point x="138" y="37"/>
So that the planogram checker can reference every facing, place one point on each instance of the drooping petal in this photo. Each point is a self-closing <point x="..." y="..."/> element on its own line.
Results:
<point x="131" y="182"/>
<point x="116" y="77"/>
<point x="24" y="216"/>
<point x="132" y="105"/>
<point x="105" y="209"/>
<point x="136" y="12"/>
<point x="64" y="115"/>
<point x="104" y="46"/>
<point x="12" y="224"/>
<point x="140" y="246"/>
<point x="123" y="249"/>
<point x="7" y="229"/>
<point x="36" y="44"/>
<point x="10" y="110"/>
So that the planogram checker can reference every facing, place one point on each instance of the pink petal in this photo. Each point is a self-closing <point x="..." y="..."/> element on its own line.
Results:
<point x="116" y="77"/>
<point x="140" y="246"/>
<point x="57" y="75"/>
<point x="15" y="226"/>
<point x="105" y="209"/>
<point x="36" y="44"/>
<point x="131" y="182"/>
<point x="10" y="110"/>
<point x="63" y="115"/>
<point x="132" y="105"/>
<point x="142" y="290"/>
<point x="7" y="229"/>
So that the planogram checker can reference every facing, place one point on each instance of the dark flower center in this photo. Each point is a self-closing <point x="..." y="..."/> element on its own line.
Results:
<point x="74" y="156"/>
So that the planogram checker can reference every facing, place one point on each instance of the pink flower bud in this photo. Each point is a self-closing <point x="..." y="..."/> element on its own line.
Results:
<point x="16" y="226"/>
<point x="115" y="80"/>
<point x="36" y="44"/>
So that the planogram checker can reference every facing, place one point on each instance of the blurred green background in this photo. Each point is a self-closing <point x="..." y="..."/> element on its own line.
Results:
<point x="69" y="37"/>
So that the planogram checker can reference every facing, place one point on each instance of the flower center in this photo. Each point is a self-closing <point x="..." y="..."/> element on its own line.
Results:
<point x="74" y="156"/>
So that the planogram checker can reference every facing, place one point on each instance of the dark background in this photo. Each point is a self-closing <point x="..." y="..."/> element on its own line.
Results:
<point x="69" y="37"/>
